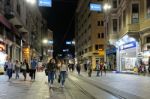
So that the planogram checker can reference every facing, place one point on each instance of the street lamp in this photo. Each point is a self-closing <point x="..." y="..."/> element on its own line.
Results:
<point x="31" y="1"/>
<point x="106" y="6"/>
<point x="45" y="41"/>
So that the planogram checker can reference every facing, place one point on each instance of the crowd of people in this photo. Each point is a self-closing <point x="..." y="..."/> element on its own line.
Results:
<point x="18" y="67"/>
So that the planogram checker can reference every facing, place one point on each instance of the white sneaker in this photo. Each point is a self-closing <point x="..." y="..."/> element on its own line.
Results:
<point x="62" y="86"/>
<point x="51" y="85"/>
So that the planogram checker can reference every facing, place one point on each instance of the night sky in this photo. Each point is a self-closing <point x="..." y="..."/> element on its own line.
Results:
<point x="60" y="18"/>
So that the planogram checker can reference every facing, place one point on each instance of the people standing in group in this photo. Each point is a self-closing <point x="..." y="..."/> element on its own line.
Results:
<point x="24" y="67"/>
<point x="97" y="68"/>
<point x="17" y="69"/>
<point x="9" y="68"/>
<point x="78" y="67"/>
<point x="101" y="68"/>
<point x="63" y="72"/>
<point x="90" y="69"/>
<point x="33" y="69"/>
<point x="51" y="67"/>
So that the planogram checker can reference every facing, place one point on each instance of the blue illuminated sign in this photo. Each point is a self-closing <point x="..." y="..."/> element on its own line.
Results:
<point x="45" y="3"/>
<point x="95" y="7"/>
<point x="128" y="45"/>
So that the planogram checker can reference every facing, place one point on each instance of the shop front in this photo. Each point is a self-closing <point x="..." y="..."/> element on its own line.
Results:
<point x="127" y="53"/>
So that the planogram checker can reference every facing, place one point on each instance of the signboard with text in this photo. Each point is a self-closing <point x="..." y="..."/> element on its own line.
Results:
<point x="95" y="7"/>
<point x="45" y="3"/>
<point x="128" y="45"/>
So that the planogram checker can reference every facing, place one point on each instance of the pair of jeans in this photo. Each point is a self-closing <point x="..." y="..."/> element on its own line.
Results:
<point x="24" y="74"/>
<point x="9" y="73"/>
<point x="17" y="73"/>
<point x="51" y="76"/>
<point x="98" y="71"/>
<point x="62" y="77"/>
<point x="33" y="73"/>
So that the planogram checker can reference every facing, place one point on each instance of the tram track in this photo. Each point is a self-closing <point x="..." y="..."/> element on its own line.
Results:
<point x="99" y="87"/>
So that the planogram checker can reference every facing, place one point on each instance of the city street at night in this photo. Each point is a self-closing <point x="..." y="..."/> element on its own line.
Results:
<point x="111" y="86"/>
<point x="74" y="49"/>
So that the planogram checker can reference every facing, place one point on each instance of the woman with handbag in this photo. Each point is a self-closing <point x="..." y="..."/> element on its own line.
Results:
<point x="24" y="68"/>
<point x="51" y="68"/>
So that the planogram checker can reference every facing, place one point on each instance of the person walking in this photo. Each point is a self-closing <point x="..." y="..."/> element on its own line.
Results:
<point x="63" y="72"/>
<point x="78" y="67"/>
<point x="17" y="69"/>
<point x="24" y="68"/>
<point x="9" y="68"/>
<point x="51" y="67"/>
<point x="105" y="67"/>
<point x="149" y="65"/>
<point x="33" y="69"/>
<point x="97" y="68"/>
<point x="89" y="69"/>
<point x="101" y="68"/>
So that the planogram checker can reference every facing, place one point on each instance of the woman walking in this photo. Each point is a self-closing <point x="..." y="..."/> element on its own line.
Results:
<point x="51" y="67"/>
<point x="9" y="69"/>
<point x="25" y="68"/>
<point x="63" y="72"/>
<point x="17" y="69"/>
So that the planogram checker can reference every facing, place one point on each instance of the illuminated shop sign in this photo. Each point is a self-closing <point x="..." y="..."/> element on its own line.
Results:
<point x="95" y="7"/>
<point x="45" y="3"/>
<point x="128" y="45"/>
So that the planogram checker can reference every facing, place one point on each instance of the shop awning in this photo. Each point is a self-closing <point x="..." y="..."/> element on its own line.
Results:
<point x="5" y="22"/>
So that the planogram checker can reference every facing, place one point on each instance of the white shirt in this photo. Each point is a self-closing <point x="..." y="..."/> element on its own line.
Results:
<point x="63" y="67"/>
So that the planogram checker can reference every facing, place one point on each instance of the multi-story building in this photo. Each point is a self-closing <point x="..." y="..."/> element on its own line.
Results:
<point x="89" y="33"/>
<point x="128" y="28"/>
<point x="48" y="47"/>
<point x="22" y="36"/>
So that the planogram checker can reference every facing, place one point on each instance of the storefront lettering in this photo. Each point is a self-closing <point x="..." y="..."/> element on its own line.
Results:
<point x="128" y="45"/>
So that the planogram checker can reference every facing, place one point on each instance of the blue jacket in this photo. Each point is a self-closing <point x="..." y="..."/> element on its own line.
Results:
<point x="33" y="64"/>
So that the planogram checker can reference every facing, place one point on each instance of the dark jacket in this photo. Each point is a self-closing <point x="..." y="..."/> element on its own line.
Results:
<point x="51" y="67"/>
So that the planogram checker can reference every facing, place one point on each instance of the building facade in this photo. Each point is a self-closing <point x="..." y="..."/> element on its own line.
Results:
<point x="20" y="29"/>
<point x="89" y="33"/>
<point x="127" y="28"/>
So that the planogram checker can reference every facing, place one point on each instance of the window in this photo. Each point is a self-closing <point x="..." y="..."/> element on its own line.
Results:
<point x="102" y="35"/>
<point x="114" y="2"/>
<point x="120" y="23"/>
<point x="99" y="36"/>
<point x="98" y="23"/>
<point x="115" y="25"/>
<point x="99" y="46"/>
<point x="148" y="40"/>
<point x="124" y="18"/>
<point x="96" y="47"/>
<point x="18" y="9"/>
<point x="135" y="13"/>
<point x="148" y="8"/>
<point x="102" y="23"/>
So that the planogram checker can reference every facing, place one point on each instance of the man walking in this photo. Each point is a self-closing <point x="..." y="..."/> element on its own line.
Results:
<point x="33" y="69"/>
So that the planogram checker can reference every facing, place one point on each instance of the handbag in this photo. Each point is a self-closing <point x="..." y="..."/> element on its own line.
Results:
<point x="46" y="72"/>
<point x="59" y="77"/>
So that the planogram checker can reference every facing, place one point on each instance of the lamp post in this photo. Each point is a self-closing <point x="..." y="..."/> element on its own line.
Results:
<point x="106" y="8"/>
